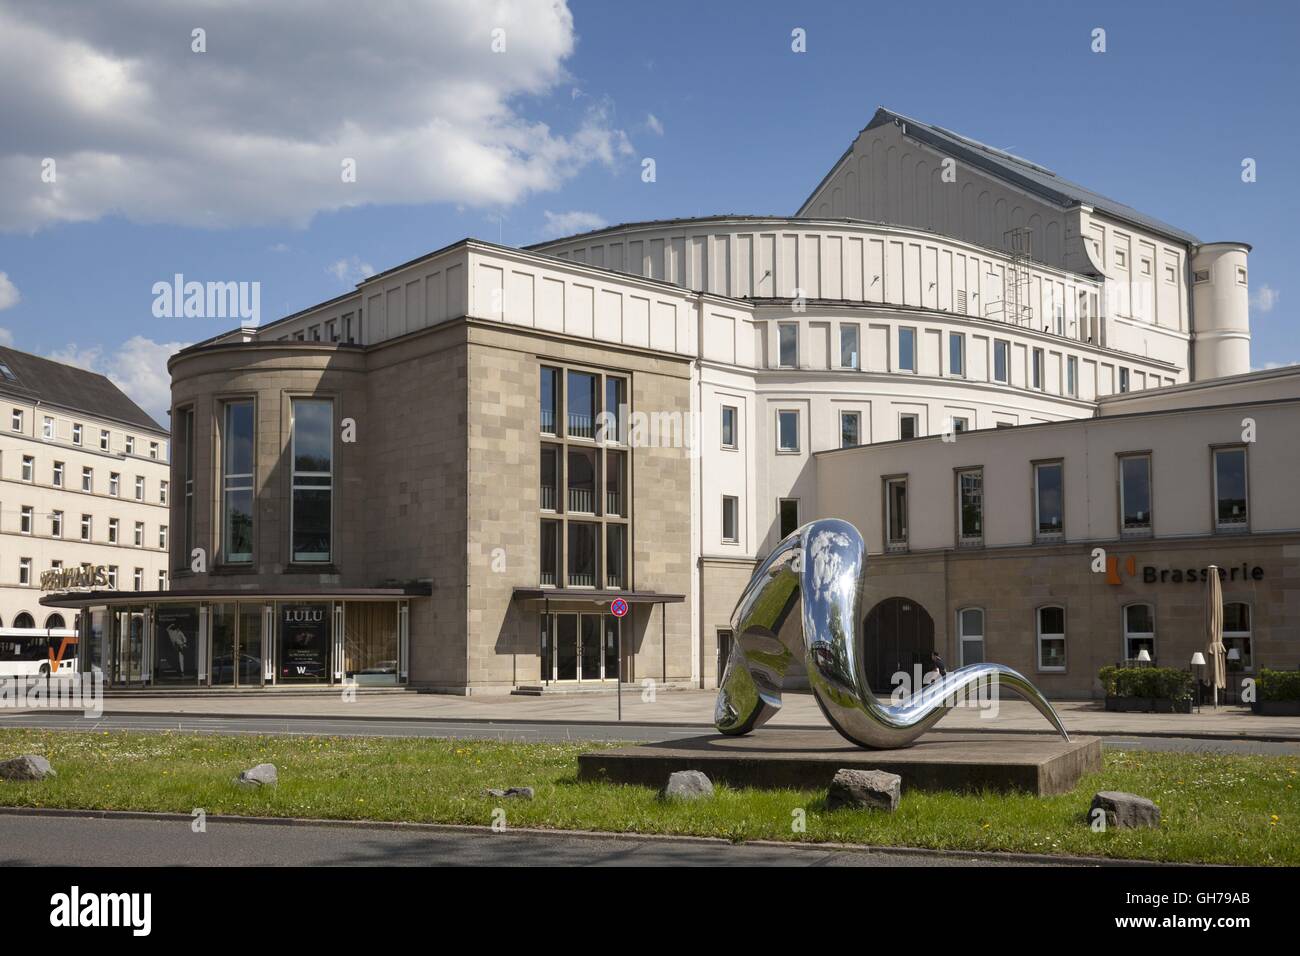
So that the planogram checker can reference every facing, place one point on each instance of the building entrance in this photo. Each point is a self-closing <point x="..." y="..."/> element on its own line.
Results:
<point x="899" y="634"/>
<point x="580" y="647"/>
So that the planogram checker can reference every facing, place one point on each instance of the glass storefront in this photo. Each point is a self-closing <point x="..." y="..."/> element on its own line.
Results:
<point x="579" y="647"/>
<point x="248" y="644"/>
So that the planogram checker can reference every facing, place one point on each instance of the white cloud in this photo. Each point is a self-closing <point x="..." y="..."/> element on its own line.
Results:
<point x="9" y="294"/>
<point x="654" y="124"/>
<point x="140" y="126"/>
<point x="1271" y="365"/>
<point x="350" y="270"/>
<point x="570" y="223"/>
<point x="138" y="367"/>
<point x="278" y="247"/>
<point x="1264" y="299"/>
<point x="6" y="337"/>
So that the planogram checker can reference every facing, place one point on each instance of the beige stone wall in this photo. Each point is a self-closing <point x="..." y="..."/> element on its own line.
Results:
<point x="721" y="584"/>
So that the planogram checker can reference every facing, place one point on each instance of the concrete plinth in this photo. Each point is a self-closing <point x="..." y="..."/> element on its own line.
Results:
<point x="807" y="759"/>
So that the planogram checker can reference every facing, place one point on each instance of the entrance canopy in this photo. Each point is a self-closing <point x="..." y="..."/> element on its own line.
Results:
<point x="80" y="599"/>
<point x="592" y="596"/>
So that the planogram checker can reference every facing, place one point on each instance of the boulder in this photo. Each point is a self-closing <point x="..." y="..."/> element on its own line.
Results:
<point x="263" y="775"/>
<point x="1124" y="811"/>
<point x="870" y="789"/>
<point x="687" y="785"/>
<point x="26" y="767"/>
<point x="513" y="793"/>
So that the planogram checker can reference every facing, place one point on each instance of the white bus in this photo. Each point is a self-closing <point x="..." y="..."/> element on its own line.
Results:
<point x="37" y="651"/>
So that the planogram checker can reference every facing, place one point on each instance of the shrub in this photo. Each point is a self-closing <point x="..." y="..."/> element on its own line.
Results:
<point x="1278" y="685"/>
<point x="1159" y="682"/>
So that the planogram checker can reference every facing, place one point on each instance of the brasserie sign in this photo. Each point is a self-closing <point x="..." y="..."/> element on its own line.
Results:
<point x="85" y="577"/>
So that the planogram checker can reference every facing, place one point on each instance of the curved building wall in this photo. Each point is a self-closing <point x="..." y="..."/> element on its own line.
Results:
<point x="1221" y="297"/>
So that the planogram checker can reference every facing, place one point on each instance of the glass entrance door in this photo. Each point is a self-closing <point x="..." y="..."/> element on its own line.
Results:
<point x="585" y="647"/>
<point x="126" y="647"/>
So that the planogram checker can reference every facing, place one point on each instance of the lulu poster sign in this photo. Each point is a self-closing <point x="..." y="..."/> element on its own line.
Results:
<point x="85" y="577"/>
<point x="304" y="642"/>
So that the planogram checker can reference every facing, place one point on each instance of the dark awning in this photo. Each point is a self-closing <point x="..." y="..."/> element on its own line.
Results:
<point x="590" y="596"/>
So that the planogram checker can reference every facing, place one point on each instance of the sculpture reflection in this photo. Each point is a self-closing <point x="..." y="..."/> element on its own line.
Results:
<point x="805" y="599"/>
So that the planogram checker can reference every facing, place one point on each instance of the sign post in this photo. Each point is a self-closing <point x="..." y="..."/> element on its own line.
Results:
<point x="619" y="609"/>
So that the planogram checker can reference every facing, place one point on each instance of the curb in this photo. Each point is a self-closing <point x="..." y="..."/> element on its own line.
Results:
<point x="1244" y="736"/>
<point x="805" y="846"/>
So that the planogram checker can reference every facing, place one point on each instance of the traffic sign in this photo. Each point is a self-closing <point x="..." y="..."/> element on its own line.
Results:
<point x="618" y="608"/>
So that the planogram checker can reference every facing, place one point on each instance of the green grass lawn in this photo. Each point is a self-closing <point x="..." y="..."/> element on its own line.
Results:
<point x="1216" y="809"/>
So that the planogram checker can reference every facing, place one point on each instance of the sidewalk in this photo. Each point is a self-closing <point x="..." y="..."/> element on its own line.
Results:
<point x="695" y="707"/>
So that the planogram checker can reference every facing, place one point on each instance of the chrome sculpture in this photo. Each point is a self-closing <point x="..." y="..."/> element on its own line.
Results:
<point x="807" y="598"/>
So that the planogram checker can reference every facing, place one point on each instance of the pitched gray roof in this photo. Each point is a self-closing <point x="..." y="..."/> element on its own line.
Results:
<point x="1029" y="176"/>
<point x="65" y="386"/>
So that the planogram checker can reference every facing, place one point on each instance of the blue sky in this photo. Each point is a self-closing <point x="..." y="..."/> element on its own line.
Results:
<point x="223" y="165"/>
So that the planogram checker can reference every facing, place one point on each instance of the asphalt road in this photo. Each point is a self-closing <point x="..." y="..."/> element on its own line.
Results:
<point x="47" y="840"/>
<point x="522" y="731"/>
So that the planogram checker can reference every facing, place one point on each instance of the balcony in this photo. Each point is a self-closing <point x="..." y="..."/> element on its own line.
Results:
<point x="548" y="497"/>
<point x="582" y="426"/>
<point x="582" y="501"/>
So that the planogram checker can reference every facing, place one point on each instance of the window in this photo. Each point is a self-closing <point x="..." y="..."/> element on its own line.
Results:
<point x="584" y="541"/>
<point x="582" y="480"/>
<point x="787" y="430"/>
<point x="582" y="405"/>
<point x="237" y="444"/>
<point x="137" y="579"/>
<point x="139" y="534"/>
<point x="1241" y="276"/>
<point x="130" y="445"/>
<point x="57" y="476"/>
<point x="114" y="483"/>
<point x="615" y="555"/>
<point x="186" y="435"/>
<point x="162" y="492"/>
<point x="788" y="509"/>
<point x="88" y="479"/>
<point x="1051" y="638"/>
<point x="139" y="487"/>
<point x="550" y="563"/>
<point x="1072" y="376"/>
<point x="1139" y="631"/>
<point x="908" y="425"/>
<point x="1231" y="508"/>
<point x="1049" y="512"/>
<point x="1121" y="259"/>
<point x="849" y="346"/>
<point x="112" y="576"/>
<point x="25" y="519"/>
<point x="56" y="524"/>
<point x="970" y="629"/>
<point x="47" y="429"/>
<point x="850" y="429"/>
<point x="76" y="433"/>
<point x="103" y="439"/>
<point x="1171" y="274"/>
<point x="730" y="518"/>
<point x="959" y="425"/>
<point x="1236" y="635"/>
<point x="549" y="492"/>
<point x="550" y="400"/>
<point x="86" y="523"/>
<point x="614" y="423"/>
<point x="29" y="467"/>
<point x="112" y="530"/>
<point x="787" y="345"/>
<point x="616" y="483"/>
<point x="313" y="479"/>
<point x="24" y="573"/>
<point x="1135" y="494"/>
<point x="16" y="420"/>
<point x="153" y="449"/>
<point x="907" y="350"/>
<point x="1123" y="380"/>
<point x="162" y="580"/>
<point x="162" y="537"/>
<point x="1001" y="362"/>
<point x="970" y="507"/>
<point x="1038" y="368"/>
<point x="956" y="353"/>
<point x="729" y="426"/>
<point x="895" y="514"/>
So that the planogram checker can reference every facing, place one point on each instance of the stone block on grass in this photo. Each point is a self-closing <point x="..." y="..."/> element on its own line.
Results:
<point x="512" y="793"/>
<point x="687" y="785"/>
<point x="1124" y="811"/>
<point x="263" y="775"/>
<point x="864" y="789"/>
<point x="26" y="767"/>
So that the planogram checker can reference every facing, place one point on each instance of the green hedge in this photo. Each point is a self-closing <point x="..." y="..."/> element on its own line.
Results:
<point x="1278" y="685"/>
<point x="1160" y="682"/>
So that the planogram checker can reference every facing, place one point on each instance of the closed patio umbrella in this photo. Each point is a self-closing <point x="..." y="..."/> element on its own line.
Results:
<point x="1214" y="631"/>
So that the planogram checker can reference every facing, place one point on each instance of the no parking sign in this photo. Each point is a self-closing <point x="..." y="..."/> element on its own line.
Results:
<point x="618" y="608"/>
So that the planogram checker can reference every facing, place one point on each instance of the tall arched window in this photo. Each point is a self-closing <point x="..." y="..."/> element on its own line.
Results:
<point x="1139" y="631"/>
<point x="24" y="620"/>
<point x="1051" y="638"/>
<point x="55" y="620"/>
<point x="1236" y="635"/>
<point x="970" y="631"/>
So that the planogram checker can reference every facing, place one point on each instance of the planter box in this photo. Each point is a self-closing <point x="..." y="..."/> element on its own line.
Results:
<point x="1149" y="705"/>
<point x="1276" y="708"/>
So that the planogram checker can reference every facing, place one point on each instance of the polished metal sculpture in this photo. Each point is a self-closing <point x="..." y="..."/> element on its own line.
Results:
<point x="806" y="598"/>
